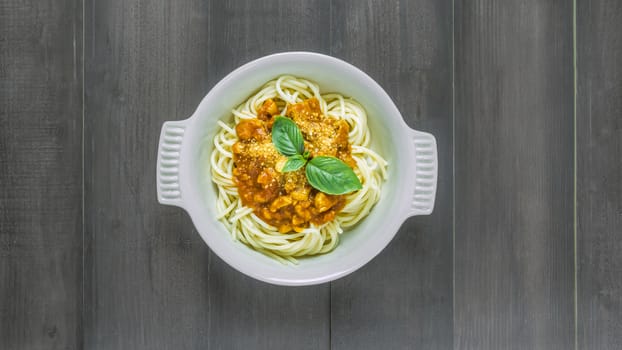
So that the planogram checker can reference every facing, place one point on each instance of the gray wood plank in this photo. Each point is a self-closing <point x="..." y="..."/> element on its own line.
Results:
<point x="599" y="174"/>
<point x="152" y="283"/>
<point x="514" y="276"/>
<point x="245" y="313"/>
<point x="146" y="267"/>
<point x="402" y="299"/>
<point x="40" y="174"/>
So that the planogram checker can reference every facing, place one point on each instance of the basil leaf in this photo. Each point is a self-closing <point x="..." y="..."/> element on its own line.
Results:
<point x="331" y="175"/>
<point x="294" y="163"/>
<point x="286" y="137"/>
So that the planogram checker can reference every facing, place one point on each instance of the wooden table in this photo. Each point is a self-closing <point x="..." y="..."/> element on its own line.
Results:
<point x="523" y="250"/>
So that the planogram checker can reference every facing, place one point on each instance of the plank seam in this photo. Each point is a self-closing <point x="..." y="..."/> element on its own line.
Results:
<point x="574" y="194"/>
<point x="453" y="174"/>
<point x="82" y="339"/>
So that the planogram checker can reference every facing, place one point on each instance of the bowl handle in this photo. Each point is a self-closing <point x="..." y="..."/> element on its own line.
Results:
<point x="426" y="171"/>
<point x="169" y="153"/>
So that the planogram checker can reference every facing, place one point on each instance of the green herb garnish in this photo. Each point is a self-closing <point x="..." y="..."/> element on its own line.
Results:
<point x="327" y="174"/>
<point x="286" y="137"/>
<point x="294" y="163"/>
<point x="331" y="175"/>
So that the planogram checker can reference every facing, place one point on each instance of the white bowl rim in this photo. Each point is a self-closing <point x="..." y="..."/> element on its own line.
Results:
<point x="421" y="201"/>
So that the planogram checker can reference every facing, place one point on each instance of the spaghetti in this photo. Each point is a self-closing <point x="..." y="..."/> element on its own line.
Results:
<point x="243" y="223"/>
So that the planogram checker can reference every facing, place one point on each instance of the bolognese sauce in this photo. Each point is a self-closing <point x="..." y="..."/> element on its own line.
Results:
<point x="285" y="200"/>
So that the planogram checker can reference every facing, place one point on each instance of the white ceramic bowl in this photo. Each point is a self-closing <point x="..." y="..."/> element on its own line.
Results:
<point x="184" y="180"/>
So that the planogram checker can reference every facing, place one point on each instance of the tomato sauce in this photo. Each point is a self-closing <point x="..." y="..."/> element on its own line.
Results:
<point x="286" y="200"/>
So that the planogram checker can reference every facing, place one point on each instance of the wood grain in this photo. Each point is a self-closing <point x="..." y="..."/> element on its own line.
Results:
<point x="245" y="313"/>
<point x="402" y="299"/>
<point x="514" y="276"/>
<point x="136" y="275"/>
<point x="147" y="282"/>
<point x="599" y="174"/>
<point x="40" y="175"/>
<point x="153" y="284"/>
